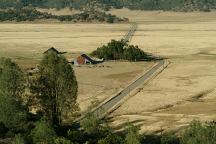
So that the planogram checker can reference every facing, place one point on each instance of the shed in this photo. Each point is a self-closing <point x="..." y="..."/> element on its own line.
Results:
<point x="85" y="59"/>
<point x="53" y="50"/>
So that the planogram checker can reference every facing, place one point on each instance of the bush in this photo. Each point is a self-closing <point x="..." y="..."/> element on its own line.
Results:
<point x="62" y="141"/>
<point x="3" y="130"/>
<point x="91" y="124"/>
<point x="18" y="139"/>
<point x="132" y="136"/>
<point x="43" y="133"/>
<point x="112" y="139"/>
<point x="120" y="50"/>
<point x="169" y="138"/>
<point x="199" y="133"/>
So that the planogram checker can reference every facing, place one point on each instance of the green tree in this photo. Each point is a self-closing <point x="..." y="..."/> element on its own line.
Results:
<point x="198" y="133"/>
<point x="111" y="139"/>
<point x="91" y="124"/>
<point x="55" y="87"/>
<point x="62" y="141"/>
<point x="12" y="111"/>
<point x="169" y="138"/>
<point x="18" y="139"/>
<point x="132" y="136"/>
<point x="43" y="133"/>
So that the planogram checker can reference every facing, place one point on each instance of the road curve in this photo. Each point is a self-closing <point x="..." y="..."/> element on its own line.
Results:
<point x="109" y="105"/>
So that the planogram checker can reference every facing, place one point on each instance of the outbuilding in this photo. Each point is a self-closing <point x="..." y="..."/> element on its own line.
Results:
<point x="85" y="59"/>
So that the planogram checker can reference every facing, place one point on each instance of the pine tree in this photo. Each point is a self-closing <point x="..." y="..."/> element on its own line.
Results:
<point x="55" y="87"/>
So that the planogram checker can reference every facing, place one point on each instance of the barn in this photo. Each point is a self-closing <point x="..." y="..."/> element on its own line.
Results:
<point x="53" y="50"/>
<point x="85" y="59"/>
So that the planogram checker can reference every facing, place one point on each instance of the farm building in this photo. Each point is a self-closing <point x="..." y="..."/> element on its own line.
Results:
<point x="53" y="50"/>
<point x="84" y="59"/>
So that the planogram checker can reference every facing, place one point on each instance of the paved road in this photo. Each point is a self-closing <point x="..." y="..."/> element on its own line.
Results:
<point x="109" y="105"/>
<point x="116" y="99"/>
<point x="131" y="32"/>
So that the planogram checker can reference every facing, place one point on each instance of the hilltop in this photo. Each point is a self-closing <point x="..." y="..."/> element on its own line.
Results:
<point x="167" y="5"/>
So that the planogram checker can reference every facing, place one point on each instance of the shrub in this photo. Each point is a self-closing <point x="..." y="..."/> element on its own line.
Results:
<point x="43" y="133"/>
<point x="62" y="141"/>
<point x="199" y="133"/>
<point x="3" y="130"/>
<point x="116" y="50"/>
<point x="132" y="136"/>
<point x="169" y="138"/>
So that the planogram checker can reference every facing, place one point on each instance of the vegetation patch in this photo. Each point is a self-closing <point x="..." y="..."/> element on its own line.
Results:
<point x="31" y="14"/>
<point x="173" y="5"/>
<point x="121" y="50"/>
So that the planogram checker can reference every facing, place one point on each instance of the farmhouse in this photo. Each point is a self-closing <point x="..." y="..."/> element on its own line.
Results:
<point x="85" y="59"/>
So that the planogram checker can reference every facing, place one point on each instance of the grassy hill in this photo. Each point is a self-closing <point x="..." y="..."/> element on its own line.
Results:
<point x="174" y="5"/>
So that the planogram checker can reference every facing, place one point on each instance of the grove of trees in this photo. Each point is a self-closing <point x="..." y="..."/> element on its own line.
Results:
<point x="31" y="14"/>
<point x="120" y="50"/>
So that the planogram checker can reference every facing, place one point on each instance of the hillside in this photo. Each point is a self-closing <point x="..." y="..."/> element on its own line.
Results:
<point x="174" y="5"/>
<point x="32" y="14"/>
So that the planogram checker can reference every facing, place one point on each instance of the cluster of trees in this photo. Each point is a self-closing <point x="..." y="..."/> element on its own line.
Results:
<point x="174" y="5"/>
<point x="53" y="90"/>
<point x="31" y="14"/>
<point x="120" y="50"/>
<point x="24" y="14"/>
<point x="178" y="5"/>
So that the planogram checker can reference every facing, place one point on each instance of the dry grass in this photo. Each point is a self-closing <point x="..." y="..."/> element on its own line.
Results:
<point x="25" y="43"/>
<point x="188" y="40"/>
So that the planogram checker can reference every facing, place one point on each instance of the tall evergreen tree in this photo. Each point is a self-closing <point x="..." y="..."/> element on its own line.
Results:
<point x="12" y="112"/>
<point x="55" y="87"/>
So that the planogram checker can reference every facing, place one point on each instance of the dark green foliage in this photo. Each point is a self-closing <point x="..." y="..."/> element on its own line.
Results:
<point x="169" y="138"/>
<point x="199" y="133"/>
<point x="120" y="50"/>
<point x="31" y="14"/>
<point x="132" y="136"/>
<point x="177" y="5"/>
<point x="91" y="124"/>
<point x="12" y="111"/>
<point x="24" y="14"/>
<point x="3" y="130"/>
<point x="43" y="133"/>
<point x="55" y="88"/>
<point x="112" y="138"/>
<point x="18" y="139"/>
<point x="62" y="140"/>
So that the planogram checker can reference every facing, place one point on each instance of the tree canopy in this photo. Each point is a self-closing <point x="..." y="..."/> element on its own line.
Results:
<point x="55" y="87"/>
<point x="177" y="5"/>
<point x="120" y="50"/>
<point x="12" y="111"/>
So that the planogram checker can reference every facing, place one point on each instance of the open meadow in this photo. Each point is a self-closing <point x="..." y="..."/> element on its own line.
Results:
<point x="181" y="93"/>
<point x="185" y="91"/>
<point x="25" y="43"/>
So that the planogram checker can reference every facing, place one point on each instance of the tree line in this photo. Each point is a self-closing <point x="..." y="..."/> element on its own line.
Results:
<point x="51" y="93"/>
<point x="174" y="5"/>
<point x="121" y="50"/>
<point x="31" y="14"/>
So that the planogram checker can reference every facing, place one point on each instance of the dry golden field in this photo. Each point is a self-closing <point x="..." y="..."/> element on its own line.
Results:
<point x="25" y="43"/>
<point x="183" y="92"/>
<point x="186" y="89"/>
